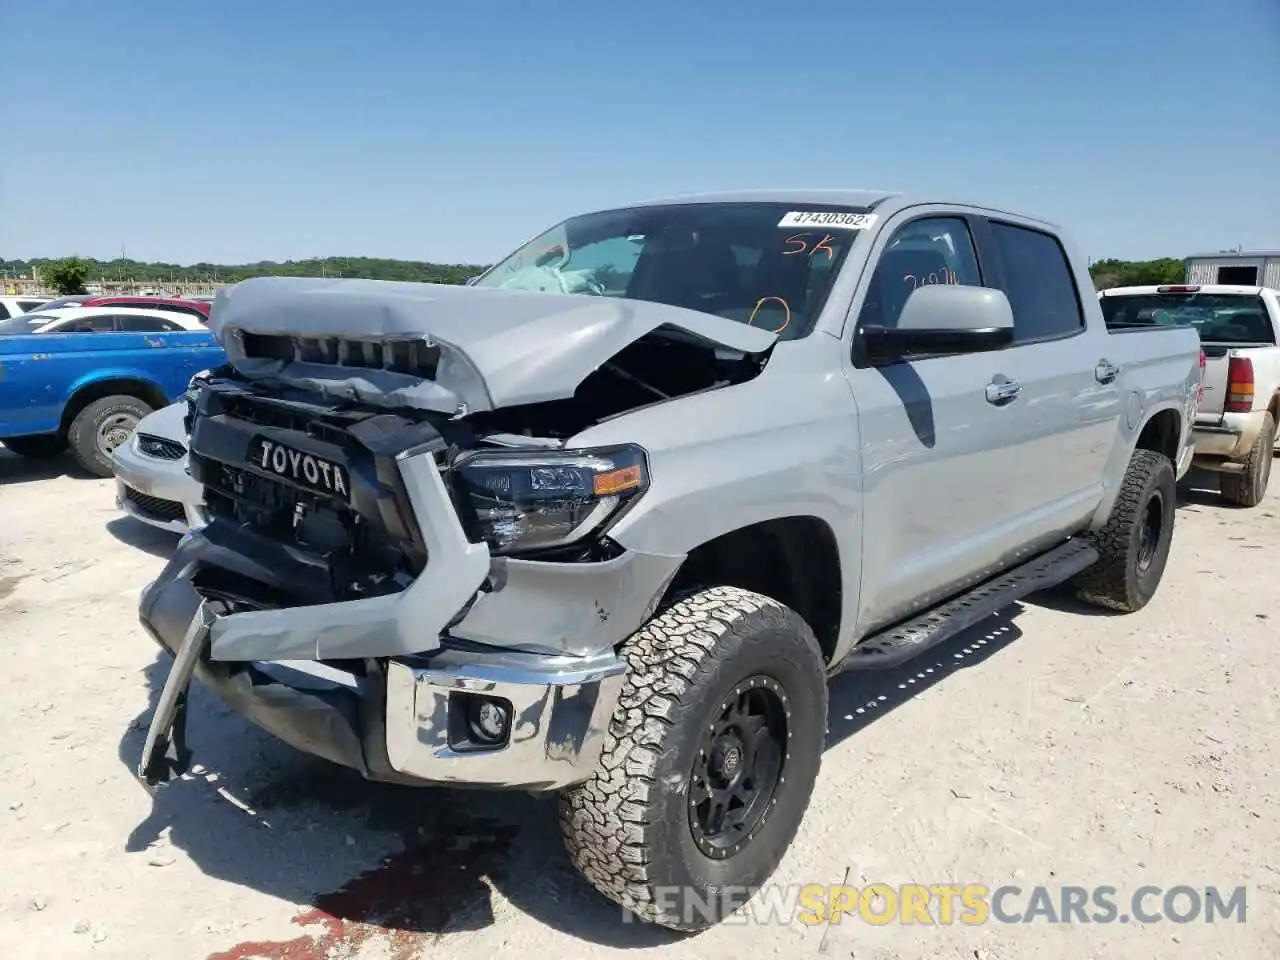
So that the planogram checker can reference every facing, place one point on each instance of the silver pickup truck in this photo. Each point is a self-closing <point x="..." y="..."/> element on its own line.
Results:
<point x="606" y="520"/>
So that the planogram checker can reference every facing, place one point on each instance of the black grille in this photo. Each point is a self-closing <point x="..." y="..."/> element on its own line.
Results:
<point x="161" y="448"/>
<point x="344" y="546"/>
<point x="416" y="357"/>
<point x="261" y="496"/>
<point x="266" y="414"/>
<point x="156" y="508"/>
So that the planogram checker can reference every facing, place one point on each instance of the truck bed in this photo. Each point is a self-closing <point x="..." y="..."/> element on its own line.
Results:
<point x="1232" y="322"/>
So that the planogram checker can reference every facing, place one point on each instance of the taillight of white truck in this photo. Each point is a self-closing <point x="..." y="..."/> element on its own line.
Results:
<point x="1239" y="397"/>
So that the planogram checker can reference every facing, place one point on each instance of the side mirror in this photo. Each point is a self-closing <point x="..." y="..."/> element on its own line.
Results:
<point x="471" y="281"/>
<point x="943" y="319"/>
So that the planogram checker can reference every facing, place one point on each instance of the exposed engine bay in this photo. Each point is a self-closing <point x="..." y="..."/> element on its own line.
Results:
<point x="306" y="503"/>
<point x="661" y="366"/>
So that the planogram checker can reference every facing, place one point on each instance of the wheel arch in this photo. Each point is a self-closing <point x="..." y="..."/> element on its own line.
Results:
<point x="1162" y="433"/>
<point x="794" y="559"/>
<point x="126" y="385"/>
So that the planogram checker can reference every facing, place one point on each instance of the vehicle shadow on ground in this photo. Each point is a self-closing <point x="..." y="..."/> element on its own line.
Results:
<point x="384" y="867"/>
<point x="15" y="469"/>
<point x="858" y="698"/>
<point x="398" y="868"/>
<point x="134" y="533"/>
<point x="1199" y="488"/>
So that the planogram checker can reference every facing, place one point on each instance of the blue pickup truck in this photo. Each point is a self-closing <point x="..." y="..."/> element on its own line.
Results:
<point x="87" y="391"/>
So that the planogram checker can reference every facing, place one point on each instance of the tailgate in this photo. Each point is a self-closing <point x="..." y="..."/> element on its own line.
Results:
<point x="1217" y="357"/>
<point x="1217" y="362"/>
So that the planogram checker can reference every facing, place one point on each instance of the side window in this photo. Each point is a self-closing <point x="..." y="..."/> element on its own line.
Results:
<point x="4" y="312"/>
<point x="1039" y="283"/>
<point x="922" y="252"/>
<point x="98" y="324"/>
<point x="135" y="323"/>
<point x="27" y="306"/>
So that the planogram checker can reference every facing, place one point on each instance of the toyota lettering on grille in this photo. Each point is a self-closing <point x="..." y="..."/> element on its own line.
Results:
<point x="303" y="469"/>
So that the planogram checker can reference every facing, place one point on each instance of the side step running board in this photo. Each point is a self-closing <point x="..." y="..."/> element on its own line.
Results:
<point x="898" y="644"/>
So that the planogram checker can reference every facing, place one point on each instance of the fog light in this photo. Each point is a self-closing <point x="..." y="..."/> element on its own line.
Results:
<point x="488" y="720"/>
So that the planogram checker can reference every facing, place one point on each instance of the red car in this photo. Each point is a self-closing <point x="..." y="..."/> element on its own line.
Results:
<point x="195" y="308"/>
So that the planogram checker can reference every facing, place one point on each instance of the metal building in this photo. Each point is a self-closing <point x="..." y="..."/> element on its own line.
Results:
<point x="1261" y="269"/>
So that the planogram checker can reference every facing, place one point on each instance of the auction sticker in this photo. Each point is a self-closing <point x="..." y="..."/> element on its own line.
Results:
<point x="837" y="220"/>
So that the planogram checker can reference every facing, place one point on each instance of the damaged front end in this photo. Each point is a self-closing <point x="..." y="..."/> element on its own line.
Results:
<point x="407" y="568"/>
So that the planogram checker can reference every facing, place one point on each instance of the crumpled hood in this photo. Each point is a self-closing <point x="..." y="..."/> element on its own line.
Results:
<point x="497" y="348"/>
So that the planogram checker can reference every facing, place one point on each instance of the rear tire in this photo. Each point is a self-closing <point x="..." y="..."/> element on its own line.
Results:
<point x="42" y="447"/>
<point x="1134" y="546"/>
<point x="1246" y="489"/>
<point x="725" y="701"/>
<point x="101" y="427"/>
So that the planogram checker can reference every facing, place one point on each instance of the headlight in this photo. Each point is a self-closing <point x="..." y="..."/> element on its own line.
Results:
<point x="523" y="501"/>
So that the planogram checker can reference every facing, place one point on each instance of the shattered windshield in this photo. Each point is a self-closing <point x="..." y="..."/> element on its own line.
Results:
<point x="769" y="265"/>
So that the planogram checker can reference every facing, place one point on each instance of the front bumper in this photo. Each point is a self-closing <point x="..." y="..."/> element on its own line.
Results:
<point x="157" y="492"/>
<point x="377" y="683"/>
<point x="394" y="720"/>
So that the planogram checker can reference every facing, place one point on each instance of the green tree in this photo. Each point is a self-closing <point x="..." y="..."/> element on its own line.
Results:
<point x="66" y="276"/>
<point x="1133" y="273"/>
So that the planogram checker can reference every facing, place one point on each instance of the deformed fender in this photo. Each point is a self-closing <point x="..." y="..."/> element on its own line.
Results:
<point x="568" y="608"/>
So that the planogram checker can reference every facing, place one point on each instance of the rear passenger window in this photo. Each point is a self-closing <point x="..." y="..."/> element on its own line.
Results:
<point x="99" y="324"/>
<point x="922" y="252"/>
<point x="133" y="323"/>
<point x="4" y="312"/>
<point x="1039" y="283"/>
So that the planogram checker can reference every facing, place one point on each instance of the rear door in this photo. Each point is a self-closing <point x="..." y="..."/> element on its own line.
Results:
<point x="1069" y="399"/>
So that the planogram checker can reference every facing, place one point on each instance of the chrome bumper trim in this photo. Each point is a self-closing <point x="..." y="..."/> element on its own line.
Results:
<point x="560" y="716"/>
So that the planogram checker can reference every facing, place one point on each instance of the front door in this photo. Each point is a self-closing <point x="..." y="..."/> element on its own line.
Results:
<point x="940" y="450"/>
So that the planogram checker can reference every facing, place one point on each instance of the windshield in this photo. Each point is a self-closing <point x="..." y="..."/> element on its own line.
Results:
<point x="1217" y="317"/>
<point x="24" y="323"/>
<point x="769" y="265"/>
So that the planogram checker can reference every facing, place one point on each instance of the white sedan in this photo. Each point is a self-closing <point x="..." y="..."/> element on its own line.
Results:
<point x="152" y="483"/>
<point x="114" y="319"/>
<point x="16" y="306"/>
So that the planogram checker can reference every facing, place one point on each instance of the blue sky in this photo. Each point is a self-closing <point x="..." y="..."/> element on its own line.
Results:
<point x="236" y="131"/>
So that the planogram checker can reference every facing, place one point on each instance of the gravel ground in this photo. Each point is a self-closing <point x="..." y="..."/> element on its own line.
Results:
<point x="1050" y="745"/>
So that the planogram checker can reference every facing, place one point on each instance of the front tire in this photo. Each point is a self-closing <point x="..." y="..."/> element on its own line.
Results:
<point x="101" y="427"/>
<point x="1134" y="545"/>
<point x="708" y="763"/>
<point x="1247" y="488"/>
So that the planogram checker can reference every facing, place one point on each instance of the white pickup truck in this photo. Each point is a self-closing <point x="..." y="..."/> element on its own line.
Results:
<point x="1239" y="327"/>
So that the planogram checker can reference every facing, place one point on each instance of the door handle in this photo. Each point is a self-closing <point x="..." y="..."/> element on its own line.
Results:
<point x="1105" y="371"/>
<point x="1001" y="390"/>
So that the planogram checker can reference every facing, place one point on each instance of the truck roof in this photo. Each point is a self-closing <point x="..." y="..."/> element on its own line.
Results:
<point x="882" y="201"/>
<point x="1223" y="288"/>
